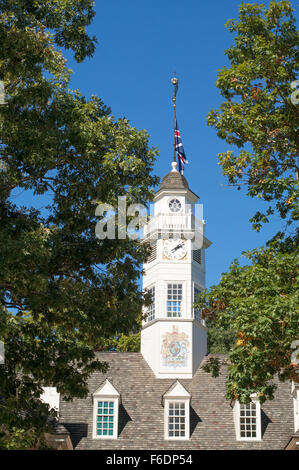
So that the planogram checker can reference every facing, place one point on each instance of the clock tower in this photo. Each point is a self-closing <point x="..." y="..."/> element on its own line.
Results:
<point x="174" y="336"/>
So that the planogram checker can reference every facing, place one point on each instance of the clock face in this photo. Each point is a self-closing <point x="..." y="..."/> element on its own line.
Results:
<point x="175" y="248"/>
<point x="175" y="205"/>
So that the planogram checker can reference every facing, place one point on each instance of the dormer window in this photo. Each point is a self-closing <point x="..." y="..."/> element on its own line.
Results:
<point x="175" y="205"/>
<point x="248" y="420"/>
<point x="106" y="418"/>
<point x="177" y="412"/>
<point x="106" y="401"/>
<point x="176" y="419"/>
<point x="295" y="393"/>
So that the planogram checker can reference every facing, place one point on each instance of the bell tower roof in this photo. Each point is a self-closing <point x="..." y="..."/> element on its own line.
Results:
<point x="174" y="180"/>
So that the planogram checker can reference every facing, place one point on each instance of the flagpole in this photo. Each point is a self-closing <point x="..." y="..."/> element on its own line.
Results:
<point x="175" y="82"/>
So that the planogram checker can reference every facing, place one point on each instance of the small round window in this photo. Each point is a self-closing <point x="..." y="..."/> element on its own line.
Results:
<point x="175" y="205"/>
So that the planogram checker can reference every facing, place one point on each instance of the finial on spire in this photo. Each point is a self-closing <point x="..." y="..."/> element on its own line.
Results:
<point x="175" y="82"/>
<point x="174" y="165"/>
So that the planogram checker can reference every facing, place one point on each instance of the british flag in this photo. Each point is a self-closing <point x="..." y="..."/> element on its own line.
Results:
<point x="179" y="149"/>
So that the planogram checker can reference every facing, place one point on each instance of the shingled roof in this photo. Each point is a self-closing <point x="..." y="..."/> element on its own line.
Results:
<point x="174" y="180"/>
<point x="141" y="414"/>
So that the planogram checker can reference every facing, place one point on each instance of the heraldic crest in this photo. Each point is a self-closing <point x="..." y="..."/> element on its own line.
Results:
<point x="175" y="348"/>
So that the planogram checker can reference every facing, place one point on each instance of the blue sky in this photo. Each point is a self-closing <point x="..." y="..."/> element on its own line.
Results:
<point x="141" y="43"/>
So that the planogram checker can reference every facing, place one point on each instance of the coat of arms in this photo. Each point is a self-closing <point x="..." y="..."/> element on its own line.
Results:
<point x="175" y="348"/>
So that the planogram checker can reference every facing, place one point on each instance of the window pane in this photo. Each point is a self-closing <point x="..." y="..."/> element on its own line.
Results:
<point x="176" y="416"/>
<point x="105" y="418"/>
<point x="151" y="308"/>
<point x="248" y="421"/>
<point x="174" y="300"/>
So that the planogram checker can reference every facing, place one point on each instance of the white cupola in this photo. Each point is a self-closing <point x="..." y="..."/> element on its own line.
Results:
<point x="174" y="337"/>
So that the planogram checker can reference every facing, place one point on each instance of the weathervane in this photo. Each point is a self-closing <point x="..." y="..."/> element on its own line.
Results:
<point x="175" y="82"/>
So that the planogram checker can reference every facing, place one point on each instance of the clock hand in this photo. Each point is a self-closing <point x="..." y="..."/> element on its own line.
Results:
<point x="177" y="247"/>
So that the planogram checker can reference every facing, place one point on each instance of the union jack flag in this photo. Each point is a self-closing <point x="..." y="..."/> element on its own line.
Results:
<point x="179" y="149"/>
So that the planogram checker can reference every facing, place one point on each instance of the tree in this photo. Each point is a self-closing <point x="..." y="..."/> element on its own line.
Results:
<point x="122" y="343"/>
<point x="258" y="303"/>
<point x="62" y="290"/>
<point x="258" y="109"/>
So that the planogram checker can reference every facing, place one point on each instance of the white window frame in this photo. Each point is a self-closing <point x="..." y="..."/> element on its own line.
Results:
<point x="182" y="299"/>
<point x="237" y="419"/>
<point x="115" y="416"/>
<point x="106" y="392"/>
<point x="186" y="403"/>
<point x="295" y="393"/>
<point x="151" y="310"/>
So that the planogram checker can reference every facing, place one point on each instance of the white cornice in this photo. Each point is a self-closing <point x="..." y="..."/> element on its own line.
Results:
<point x="164" y="192"/>
<point x="177" y="319"/>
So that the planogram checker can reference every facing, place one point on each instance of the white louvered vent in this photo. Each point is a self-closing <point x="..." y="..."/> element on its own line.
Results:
<point x="197" y="256"/>
<point x="153" y="254"/>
